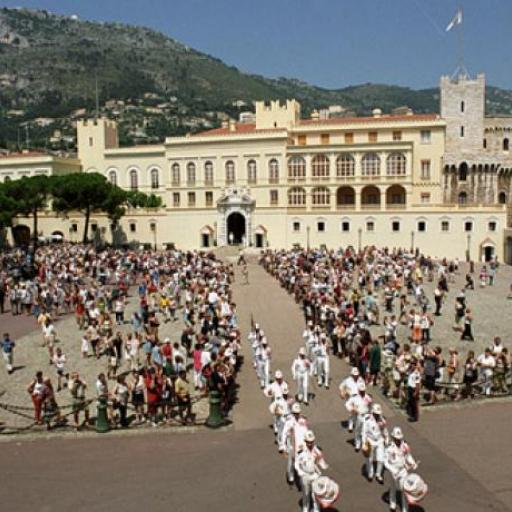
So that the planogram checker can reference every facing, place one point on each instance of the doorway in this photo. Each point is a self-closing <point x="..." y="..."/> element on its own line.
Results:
<point x="259" y="240"/>
<point x="21" y="235"/>
<point x="235" y="228"/>
<point x="488" y="253"/>
<point x="508" y="250"/>
<point x="205" y="240"/>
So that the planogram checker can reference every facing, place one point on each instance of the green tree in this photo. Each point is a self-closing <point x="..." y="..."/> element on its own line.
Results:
<point x="88" y="193"/>
<point x="30" y="195"/>
<point x="136" y="199"/>
<point x="8" y="210"/>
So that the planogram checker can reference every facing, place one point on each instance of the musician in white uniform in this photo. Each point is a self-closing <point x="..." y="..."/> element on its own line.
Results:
<point x="263" y="362"/>
<point x="254" y="341"/>
<point x="292" y="438"/>
<point x="275" y="391"/>
<point x="399" y="462"/>
<point x="322" y="362"/>
<point x="301" y="371"/>
<point x="309" y="465"/>
<point x="375" y="435"/>
<point x="347" y="389"/>
<point x="359" y="405"/>
<point x="280" y="408"/>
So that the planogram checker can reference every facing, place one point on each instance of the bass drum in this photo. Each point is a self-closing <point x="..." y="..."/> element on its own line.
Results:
<point x="326" y="491"/>
<point x="414" y="488"/>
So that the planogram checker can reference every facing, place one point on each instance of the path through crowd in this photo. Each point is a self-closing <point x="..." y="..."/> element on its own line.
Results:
<point x="452" y="488"/>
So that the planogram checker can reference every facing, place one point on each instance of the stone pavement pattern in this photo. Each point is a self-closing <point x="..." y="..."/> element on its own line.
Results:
<point x="240" y="469"/>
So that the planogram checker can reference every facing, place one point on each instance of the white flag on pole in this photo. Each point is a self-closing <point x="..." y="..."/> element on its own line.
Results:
<point x="457" y="20"/>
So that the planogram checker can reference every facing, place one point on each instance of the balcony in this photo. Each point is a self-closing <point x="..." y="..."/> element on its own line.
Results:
<point x="370" y="206"/>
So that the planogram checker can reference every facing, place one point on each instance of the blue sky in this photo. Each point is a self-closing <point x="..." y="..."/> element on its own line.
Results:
<point x="331" y="43"/>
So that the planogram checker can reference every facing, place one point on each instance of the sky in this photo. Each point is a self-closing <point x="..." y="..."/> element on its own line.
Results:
<point x="329" y="43"/>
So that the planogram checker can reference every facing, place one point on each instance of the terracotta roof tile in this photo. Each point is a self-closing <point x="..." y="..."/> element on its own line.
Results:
<point x="370" y="119"/>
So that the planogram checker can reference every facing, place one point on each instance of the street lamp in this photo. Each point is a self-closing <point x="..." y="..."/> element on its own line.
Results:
<point x="412" y="241"/>
<point x="468" y="248"/>
<point x="307" y="236"/>
<point x="359" y="239"/>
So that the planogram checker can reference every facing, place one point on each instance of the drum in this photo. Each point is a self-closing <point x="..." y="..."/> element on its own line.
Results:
<point x="414" y="488"/>
<point x="326" y="491"/>
<point x="366" y="449"/>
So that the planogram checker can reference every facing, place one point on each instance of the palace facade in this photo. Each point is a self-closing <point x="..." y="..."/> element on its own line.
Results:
<point x="402" y="180"/>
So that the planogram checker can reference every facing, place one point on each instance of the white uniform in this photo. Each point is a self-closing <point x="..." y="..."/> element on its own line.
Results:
<point x="263" y="362"/>
<point x="398" y="461"/>
<point x="275" y="392"/>
<point x="301" y="370"/>
<point x="252" y="338"/>
<point x="281" y="408"/>
<point x="292" y="440"/>
<point x="360" y="406"/>
<point x="309" y="465"/>
<point x="348" y="386"/>
<point x="311" y="346"/>
<point x="375" y="434"/>
<point x="322" y="364"/>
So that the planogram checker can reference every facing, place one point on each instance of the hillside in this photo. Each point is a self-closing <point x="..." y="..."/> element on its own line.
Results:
<point x="50" y="66"/>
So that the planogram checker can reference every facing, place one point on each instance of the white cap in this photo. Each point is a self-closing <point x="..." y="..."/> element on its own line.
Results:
<point x="278" y="374"/>
<point x="376" y="409"/>
<point x="361" y="386"/>
<point x="310" y="322"/>
<point x="309" y="437"/>
<point x="256" y="326"/>
<point x="302" y="351"/>
<point x="354" y="372"/>
<point x="262" y="332"/>
<point x="167" y="340"/>
<point x="296" y="408"/>
<point x="396" y="433"/>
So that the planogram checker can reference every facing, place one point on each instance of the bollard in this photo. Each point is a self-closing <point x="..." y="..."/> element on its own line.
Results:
<point x="215" y="418"/>
<point x="102" y="425"/>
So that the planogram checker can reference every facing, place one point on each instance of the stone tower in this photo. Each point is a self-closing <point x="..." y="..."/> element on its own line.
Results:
<point x="463" y="109"/>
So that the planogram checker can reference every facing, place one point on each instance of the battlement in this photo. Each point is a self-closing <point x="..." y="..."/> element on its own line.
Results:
<point x="277" y="114"/>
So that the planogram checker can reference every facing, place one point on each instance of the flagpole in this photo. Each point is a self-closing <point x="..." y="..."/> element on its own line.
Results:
<point x="462" y="67"/>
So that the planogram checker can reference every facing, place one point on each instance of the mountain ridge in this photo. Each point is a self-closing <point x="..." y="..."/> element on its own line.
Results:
<point x="51" y="65"/>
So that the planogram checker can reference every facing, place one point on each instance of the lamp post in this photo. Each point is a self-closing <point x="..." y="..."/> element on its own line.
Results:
<point x="307" y="237"/>
<point x="359" y="239"/>
<point x="468" y="248"/>
<point x="412" y="241"/>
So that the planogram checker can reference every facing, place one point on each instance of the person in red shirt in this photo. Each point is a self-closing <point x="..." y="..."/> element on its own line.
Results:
<point x="153" y="393"/>
<point x="80" y="314"/>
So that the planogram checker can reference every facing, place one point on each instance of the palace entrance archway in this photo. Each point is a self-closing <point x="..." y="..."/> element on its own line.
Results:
<point x="236" y="227"/>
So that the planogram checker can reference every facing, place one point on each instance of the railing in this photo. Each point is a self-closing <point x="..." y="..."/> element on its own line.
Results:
<point x="371" y="206"/>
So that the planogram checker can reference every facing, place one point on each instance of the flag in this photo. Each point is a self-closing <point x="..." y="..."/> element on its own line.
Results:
<point x="457" y="20"/>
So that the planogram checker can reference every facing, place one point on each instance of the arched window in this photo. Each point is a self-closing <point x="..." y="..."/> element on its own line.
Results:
<point x="320" y="196"/>
<point x="506" y="144"/>
<point x="296" y="197"/>
<point x="155" y="180"/>
<point x="134" y="180"/>
<point x="463" y="198"/>
<point x="112" y="177"/>
<point x="252" y="171"/>
<point x="273" y="171"/>
<point x="395" y="164"/>
<point x="191" y="173"/>
<point x="502" y="197"/>
<point x="297" y="168"/>
<point x="463" y="171"/>
<point x="208" y="173"/>
<point x="345" y="166"/>
<point x="175" y="174"/>
<point x="320" y="166"/>
<point x="230" y="172"/>
<point x="370" y="164"/>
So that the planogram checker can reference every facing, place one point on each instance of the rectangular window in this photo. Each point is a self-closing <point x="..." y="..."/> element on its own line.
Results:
<point x="397" y="135"/>
<point x="296" y="227"/>
<point x="191" y="198"/>
<point x="74" y="228"/>
<point x="345" y="226"/>
<point x="349" y="138"/>
<point x="133" y="227"/>
<point x="274" y="197"/>
<point x="395" y="226"/>
<point x="94" y="228"/>
<point x="462" y="132"/>
<point x="302" y="140"/>
<point x="208" y="198"/>
<point x="176" y="199"/>
<point x="462" y="106"/>
<point x="372" y="136"/>
<point x="492" y="226"/>
<point x="425" y="136"/>
<point x="468" y="226"/>
<point x="425" y="197"/>
<point x="324" y="138"/>
<point x="445" y="226"/>
<point x="90" y="141"/>
<point x="425" y="169"/>
<point x="320" y="226"/>
<point x="422" y="226"/>
<point x="370" y="226"/>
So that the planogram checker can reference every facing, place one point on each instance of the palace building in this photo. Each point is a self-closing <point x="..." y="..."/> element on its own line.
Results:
<point x="437" y="182"/>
